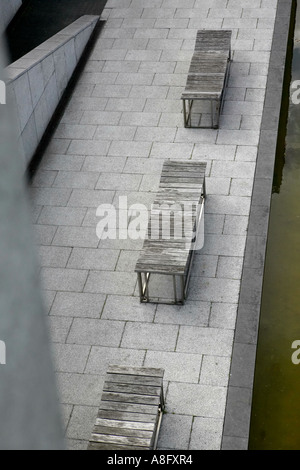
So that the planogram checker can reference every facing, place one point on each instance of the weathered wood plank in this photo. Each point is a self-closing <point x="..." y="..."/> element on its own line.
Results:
<point x="132" y="441"/>
<point x="104" y="446"/>
<point x="128" y="407"/>
<point x="143" y="371"/>
<point x="130" y="398"/>
<point x="113" y="423"/>
<point x="125" y="416"/>
<point x="134" y="379"/>
<point x="132" y="389"/>
<point x="122" y="432"/>
<point x="209" y="65"/>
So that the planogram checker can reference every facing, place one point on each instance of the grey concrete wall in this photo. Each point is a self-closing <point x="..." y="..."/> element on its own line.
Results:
<point x="36" y="82"/>
<point x="8" y="9"/>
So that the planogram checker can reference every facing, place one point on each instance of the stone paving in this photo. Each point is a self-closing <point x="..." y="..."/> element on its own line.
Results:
<point x="124" y="118"/>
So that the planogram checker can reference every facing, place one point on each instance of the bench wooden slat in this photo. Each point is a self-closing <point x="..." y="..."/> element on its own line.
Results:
<point x="128" y="407"/>
<point x="137" y="425"/>
<point x="123" y="432"/>
<point x="125" y="416"/>
<point x="132" y="441"/>
<point x="142" y="371"/>
<point x="133" y="379"/>
<point x="130" y="398"/>
<point x="132" y="389"/>
<point x="93" y="446"/>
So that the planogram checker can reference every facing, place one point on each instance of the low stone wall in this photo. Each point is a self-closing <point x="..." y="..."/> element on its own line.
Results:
<point x="8" y="9"/>
<point x="36" y="82"/>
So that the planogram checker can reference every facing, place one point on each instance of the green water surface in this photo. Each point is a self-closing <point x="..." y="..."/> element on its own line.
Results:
<point x="275" y="422"/>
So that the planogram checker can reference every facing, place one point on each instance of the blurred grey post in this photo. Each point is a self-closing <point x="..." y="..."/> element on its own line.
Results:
<point x="29" y="410"/>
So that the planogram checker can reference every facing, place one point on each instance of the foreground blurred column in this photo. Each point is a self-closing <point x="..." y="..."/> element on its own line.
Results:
<point x="29" y="411"/>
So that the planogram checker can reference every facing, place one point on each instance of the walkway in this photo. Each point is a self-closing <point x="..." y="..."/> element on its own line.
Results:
<point x="124" y="118"/>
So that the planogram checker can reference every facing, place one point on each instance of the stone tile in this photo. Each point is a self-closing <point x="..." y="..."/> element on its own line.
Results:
<point x="95" y="259"/>
<point x="215" y="370"/>
<point x="179" y="367"/>
<point x="88" y="147"/>
<point x="224" y="245"/>
<point x="206" y="434"/>
<point x="96" y="332"/>
<point x="59" y="328"/>
<point x="43" y="178"/>
<point x="241" y="187"/>
<point x="84" y="237"/>
<point x="51" y="215"/>
<point x="150" y="336"/>
<point x="82" y="423"/>
<point x="75" y="180"/>
<point x="62" y="162"/>
<point x="155" y="134"/>
<point x="130" y="149"/>
<point x="235" y="225"/>
<point x="175" y="432"/>
<point x="199" y="400"/>
<point x="111" y="282"/>
<point x="101" y="357"/>
<point x="118" y="307"/>
<point x="210" y="341"/>
<point x="146" y="55"/>
<point x="113" y="133"/>
<point x="119" y="182"/>
<point x="72" y="304"/>
<point x="126" y="104"/>
<point x="80" y="389"/>
<point x="230" y="267"/>
<point x="50" y="196"/>
<point x="104" y="164"/>
<point x="163" y="150"/>
<point x="53" y="257"/>
<point x="233" y="169"/>
<point x="238" y="137"/>
<point x="90" y="198"/>
<point x="63" y="279"/>
<point x="48" y="297"/>
<point x="100" y="117"/>
<point x="75" y="131"/>
<point x="140" y="119"/>
<point x="223" y="315"/>
<point x="75" y="444"/>
<point x="70" y="358"/>
<point x="191" y="313"/>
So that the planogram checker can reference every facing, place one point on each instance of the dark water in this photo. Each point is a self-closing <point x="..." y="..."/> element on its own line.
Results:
<point x="275" y="423"/>
<point x="38" y="20"/>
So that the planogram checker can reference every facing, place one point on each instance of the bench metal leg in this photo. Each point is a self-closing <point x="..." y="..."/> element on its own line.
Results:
<point x="143" y="286"/>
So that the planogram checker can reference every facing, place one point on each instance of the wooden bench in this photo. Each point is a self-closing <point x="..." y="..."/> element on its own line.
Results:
<point x="179" y="203"/>
<point x="207" y="76"/>
<point x="131" y="410"/>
